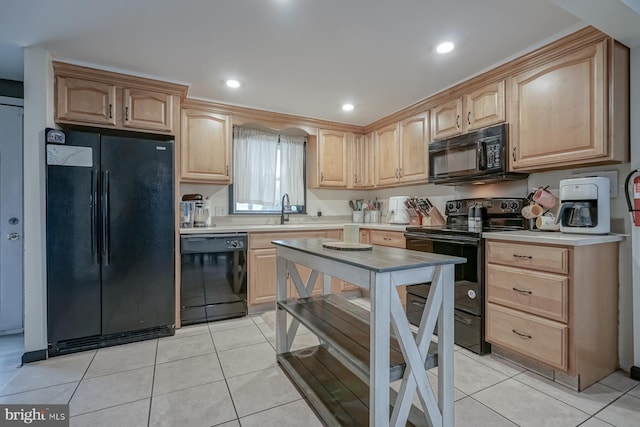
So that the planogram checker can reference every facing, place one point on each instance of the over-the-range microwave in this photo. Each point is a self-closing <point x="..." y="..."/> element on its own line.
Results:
<point x="475" y="157"/>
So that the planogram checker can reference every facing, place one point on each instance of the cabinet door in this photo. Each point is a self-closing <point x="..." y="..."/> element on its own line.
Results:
<point x="446" y="119"/>
<point x="145" y="109"/>
<point x="332" y="158"/>
<point x="206" y="147"/>
<point x="85" y="101"/>
<point x="414" y="149"/>
<point x="559" y="112"/>
<point x="533" y="336"/>
<point x="484" y="106"/>
<point x="359" y="157"/>
<point x="262" y="276"/>
<point x="387" y="155"/>
<point x="394" y="239"/>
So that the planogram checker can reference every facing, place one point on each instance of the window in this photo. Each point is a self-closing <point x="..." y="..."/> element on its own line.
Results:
<point x="265" y="167"/>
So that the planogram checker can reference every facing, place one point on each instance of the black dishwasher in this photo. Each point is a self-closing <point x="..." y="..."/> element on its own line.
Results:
<point x="214" y="277"/>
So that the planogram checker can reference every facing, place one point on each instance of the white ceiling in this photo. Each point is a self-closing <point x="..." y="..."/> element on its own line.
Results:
<point x="304" y="57"/>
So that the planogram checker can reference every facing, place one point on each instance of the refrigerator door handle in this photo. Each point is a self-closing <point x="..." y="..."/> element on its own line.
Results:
<point x="105" y="218"/>
<point x="94" y="217"/>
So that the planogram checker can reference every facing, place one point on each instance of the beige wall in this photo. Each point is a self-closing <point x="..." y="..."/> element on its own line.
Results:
<point x="38" y="114"/>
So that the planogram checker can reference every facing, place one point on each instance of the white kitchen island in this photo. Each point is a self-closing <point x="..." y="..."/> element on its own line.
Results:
<point x="347" y="377"/>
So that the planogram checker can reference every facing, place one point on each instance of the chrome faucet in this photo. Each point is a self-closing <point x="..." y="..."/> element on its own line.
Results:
<point x="288" y="207"/>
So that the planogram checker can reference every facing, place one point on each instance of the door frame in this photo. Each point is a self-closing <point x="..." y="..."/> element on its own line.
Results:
<point x="18" y="102"/>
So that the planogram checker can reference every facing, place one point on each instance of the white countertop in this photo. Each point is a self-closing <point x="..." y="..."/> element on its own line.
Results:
<point x="554" y="237"/>
<point x="244" y="228"/>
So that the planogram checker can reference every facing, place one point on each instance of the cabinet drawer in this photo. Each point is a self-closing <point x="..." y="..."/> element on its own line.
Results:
<point x="541" y="339"/>
<point x="263" y="240"/>
<point x="535" y="292"/>
<point x="546" y="258"/>
<point x="387" y="238"/>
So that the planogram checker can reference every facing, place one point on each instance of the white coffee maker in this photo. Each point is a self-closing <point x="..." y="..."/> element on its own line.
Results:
<point x="584" y="205"/>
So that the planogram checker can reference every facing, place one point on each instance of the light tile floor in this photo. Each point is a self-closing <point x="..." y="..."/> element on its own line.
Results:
<point x="225" y="374"/>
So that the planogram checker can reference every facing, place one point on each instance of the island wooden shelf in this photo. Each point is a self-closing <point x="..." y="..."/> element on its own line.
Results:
<point x="335" y="392"/>
<point x="347" y="378"/>
<point x="344" y="327"/>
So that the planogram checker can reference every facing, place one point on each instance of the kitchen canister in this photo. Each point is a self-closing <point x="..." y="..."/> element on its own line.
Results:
<point x="351" y="233"/>
<point x="358" y="217"/>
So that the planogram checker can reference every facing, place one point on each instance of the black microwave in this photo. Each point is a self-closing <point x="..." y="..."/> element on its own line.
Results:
<point x="475" y="157"/>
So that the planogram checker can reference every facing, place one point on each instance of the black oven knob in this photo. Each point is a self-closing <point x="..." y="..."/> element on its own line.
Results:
<point x="450" y="206"/>
<point x="233" y="243"/>
<point x="458" y="205"/>
<point x="504" y="205"/>
<point x="514" y="205"/>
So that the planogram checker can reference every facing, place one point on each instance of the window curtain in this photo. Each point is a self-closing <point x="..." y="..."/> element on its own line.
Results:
<point x="292" y="160"/>
<point x="252" y="150"/>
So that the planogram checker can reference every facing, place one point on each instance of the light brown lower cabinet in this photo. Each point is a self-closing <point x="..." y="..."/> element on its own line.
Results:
<point x="394" y="239"/>
<point x="261" y="281"/>
<point x="556" y="306"/>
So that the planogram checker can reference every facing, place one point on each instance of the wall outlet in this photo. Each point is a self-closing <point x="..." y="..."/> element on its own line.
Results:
<point x="220" y="211"/>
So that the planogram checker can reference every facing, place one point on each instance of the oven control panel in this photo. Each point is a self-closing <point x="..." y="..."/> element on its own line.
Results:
<point x="494" y="206"/>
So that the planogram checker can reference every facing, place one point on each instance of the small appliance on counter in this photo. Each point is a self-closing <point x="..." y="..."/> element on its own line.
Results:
<point x="584" y="205"/>
<point x="195" y="205"/>
<point x="398" y="213"/>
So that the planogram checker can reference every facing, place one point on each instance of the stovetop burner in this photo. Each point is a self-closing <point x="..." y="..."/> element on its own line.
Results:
<point x="498" y="214"/>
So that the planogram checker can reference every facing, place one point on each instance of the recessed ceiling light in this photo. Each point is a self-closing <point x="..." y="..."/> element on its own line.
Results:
<point x="347" y="107"/>
<point x="233" y="83"/>
<point x="445" y="47"/>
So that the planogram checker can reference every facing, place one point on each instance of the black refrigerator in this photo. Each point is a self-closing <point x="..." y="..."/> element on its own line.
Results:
<point x="110" y="240"/>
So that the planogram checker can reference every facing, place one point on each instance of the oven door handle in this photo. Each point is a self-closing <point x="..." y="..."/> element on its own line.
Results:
<point x="461" y="240"/>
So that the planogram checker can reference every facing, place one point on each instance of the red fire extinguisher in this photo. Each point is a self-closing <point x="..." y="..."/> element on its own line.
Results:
<point x="634" y="209"/>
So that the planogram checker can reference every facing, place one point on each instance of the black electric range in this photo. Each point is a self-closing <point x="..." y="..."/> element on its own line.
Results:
<point x="457" y="238"/>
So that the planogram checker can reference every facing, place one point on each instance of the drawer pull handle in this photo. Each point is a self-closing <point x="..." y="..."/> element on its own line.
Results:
<point x="521" y="334"/>
<point x="386" y="238"/>
<point x="522" y="256"/>
<point x="522" y="291"/>
<point x="417" y="304"/>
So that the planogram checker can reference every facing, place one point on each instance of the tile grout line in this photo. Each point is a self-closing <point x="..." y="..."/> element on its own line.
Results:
<point x="224" y="376"/>
<point x="612" y="402"/>
<point x="153" y="380"/>
<point x="532" y="388"/>
<point x="81" y="379"/>
<point x="570" y="405"/>
<point x="492" y="410"/>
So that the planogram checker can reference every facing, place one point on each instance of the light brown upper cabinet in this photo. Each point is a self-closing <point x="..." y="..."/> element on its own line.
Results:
<point x="572" y="110"/>
<point x="387" y="158"/>
<point x="145" y="109"/>
<point x="474" y="110"/>
<point x="414" y="149"/>
<point x="361" y="169"/>
<point x="328" y="159"/>
<point x="80" y="100"/>
<point x="402" y="151"/>
<point x="100" y="98"/>
<point x="206" y="146"/>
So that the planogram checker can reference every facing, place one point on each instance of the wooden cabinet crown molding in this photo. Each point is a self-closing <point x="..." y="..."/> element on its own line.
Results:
<point x="558" y="48"/>
<point x="96" y="75"/>
<point x="270" y="119"/>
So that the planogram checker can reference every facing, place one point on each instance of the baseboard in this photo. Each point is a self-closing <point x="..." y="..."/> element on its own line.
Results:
<point x="34" y="356"/>
<point x="635" y="373"/>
